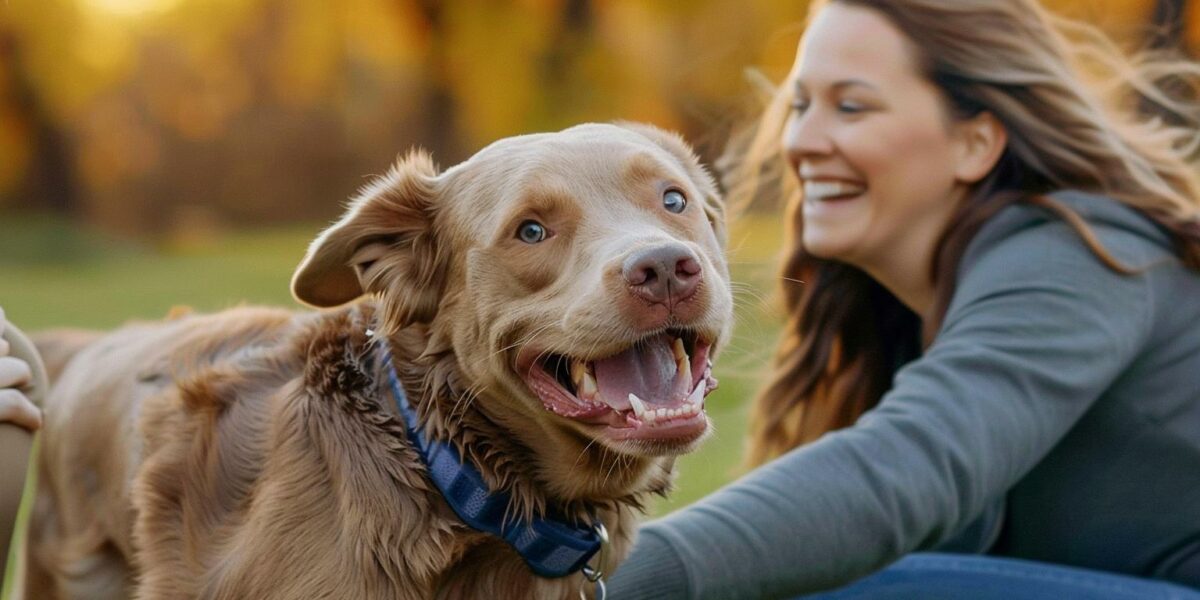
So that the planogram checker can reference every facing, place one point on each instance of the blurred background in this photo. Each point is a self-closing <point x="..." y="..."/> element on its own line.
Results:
<point x="183" y="152"/>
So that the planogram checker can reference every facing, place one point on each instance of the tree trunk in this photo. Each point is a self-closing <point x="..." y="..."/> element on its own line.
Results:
<point x="1166" y="35"/>
<point x="1166" y="24"/>
<point x="49" y="182"/>
<point x="440" y="134"/>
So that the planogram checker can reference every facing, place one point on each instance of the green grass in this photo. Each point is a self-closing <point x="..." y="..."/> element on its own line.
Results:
<point x="54" y="275"/>
<point x="105" y="282"/>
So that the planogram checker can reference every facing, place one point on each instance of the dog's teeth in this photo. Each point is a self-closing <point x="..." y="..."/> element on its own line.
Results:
<point x="677" y="348"/>
<point x="639" y="408"/>
<point x="578" y="369"/>
<point x="684" y="366"/>
<point x="696" y="398"/>
<point x="587" y="388"/>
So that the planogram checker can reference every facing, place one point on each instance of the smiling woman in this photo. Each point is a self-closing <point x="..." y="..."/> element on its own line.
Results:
<point x="989" y="266"/>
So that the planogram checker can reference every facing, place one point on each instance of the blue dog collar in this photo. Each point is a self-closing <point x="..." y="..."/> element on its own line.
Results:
<point x="551" y="548"/>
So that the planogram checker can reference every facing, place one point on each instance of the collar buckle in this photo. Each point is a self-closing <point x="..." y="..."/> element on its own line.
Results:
<point x="595" y="574"/>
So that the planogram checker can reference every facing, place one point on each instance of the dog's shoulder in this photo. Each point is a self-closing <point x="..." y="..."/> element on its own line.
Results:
<point x="302" y="445"/>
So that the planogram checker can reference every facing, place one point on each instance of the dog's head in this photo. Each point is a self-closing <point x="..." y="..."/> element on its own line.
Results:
<point x="577" y="277"/>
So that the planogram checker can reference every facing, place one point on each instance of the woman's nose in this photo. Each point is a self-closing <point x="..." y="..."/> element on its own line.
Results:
<point x="806" y="136"/>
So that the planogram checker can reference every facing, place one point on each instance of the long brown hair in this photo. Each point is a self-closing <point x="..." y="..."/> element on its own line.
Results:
<point x="1069" y="101"/>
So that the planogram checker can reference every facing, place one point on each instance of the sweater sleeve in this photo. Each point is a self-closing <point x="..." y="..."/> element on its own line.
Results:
<point x="1038" y="329"/>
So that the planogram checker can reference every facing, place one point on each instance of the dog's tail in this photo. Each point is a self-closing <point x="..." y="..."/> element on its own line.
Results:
<point x="58" y="346"/>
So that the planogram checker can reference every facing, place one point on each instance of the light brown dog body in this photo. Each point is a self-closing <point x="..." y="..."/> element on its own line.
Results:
<point x="257" y="453"/>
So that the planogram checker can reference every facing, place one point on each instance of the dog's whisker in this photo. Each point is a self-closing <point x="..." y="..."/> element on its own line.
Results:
<point x="582" y="453"/>
<point x="751" y="300"/>
<point x="523" y="340"/>
<point x="467" y="399"/>
<point x="455" y="411"/>
<point x="609" y="472"/>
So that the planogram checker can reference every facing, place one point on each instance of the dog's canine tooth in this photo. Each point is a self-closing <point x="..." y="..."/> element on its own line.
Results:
<point x="639" y="408"/>
<point x="684" y="366"/>
<point x="696" y="398"/>
<point x="677" y="348"/>
<point x="586" y="388"/>
<point x="578" y="369"/>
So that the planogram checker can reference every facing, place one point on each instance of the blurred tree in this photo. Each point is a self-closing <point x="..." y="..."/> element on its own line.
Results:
<point x="560" y="60"/>
<point x="166" y="116"/>
<point x="1167" y="24"/>
<point x="1166" y="34"/>
<point x="48" y="183"/>
<point x="439" y="128"/>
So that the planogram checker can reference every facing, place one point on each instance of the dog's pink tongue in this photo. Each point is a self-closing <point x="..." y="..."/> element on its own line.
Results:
<point x="647" y="369"/>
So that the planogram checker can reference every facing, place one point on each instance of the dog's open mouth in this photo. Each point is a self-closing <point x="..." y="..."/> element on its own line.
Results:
<point x="653" y="390"/>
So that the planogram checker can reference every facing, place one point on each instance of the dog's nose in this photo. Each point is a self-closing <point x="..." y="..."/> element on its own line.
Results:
<point x="666" y="273"/>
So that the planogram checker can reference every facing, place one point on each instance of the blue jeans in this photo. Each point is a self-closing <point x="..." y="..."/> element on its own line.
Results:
<point x="931" y="576"/>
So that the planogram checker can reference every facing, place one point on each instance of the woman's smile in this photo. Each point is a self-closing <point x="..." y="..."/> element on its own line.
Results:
<point x="831" y="189"/>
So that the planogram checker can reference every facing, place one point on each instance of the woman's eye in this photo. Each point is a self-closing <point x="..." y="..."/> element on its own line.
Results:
<point x="799" y="105"/>
<point x="674" y="201"/>
<point x="531" y="232"/>
<point x="847" y="106"/>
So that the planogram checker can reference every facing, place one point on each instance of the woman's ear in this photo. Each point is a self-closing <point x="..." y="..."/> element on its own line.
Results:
<point x="981" y="141"/>
<point x="385" y="244"/>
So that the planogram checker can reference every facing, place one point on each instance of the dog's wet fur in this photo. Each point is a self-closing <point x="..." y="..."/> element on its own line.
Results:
<point x="257" y="453"/>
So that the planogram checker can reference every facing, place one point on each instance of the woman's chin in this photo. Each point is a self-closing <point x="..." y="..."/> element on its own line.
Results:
<point x="827" y="245"/>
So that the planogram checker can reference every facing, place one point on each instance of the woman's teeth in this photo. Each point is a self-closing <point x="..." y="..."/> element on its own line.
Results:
<point x="822" y="190"/>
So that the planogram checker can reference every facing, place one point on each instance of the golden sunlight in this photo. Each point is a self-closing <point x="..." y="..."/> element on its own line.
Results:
<point x="130" y="8"/>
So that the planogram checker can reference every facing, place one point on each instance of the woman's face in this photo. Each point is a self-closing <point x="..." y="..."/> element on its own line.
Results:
<point x="871" y="142"/>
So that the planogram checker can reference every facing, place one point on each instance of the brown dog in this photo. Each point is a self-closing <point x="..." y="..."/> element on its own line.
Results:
<point x="550" y="306"/>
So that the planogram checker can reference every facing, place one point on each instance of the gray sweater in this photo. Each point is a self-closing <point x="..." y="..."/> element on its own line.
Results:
<point x="1055" y="417"/>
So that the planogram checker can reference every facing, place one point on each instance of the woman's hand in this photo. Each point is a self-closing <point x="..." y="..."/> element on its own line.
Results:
<point x="15" y="375"/>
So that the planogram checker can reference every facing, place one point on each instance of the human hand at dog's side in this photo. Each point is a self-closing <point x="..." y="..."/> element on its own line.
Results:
<point x="15" y="406"/>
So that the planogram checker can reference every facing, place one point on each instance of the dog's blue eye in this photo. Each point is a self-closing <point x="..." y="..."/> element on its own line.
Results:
<point x="531" y="232"/>
<point x="674" y="201"/>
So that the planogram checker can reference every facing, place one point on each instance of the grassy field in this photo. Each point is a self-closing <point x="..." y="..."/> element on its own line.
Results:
<point x="53" y="275"/>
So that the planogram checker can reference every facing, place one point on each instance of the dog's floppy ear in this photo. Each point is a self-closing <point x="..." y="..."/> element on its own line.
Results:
<point x="714" y="204"/>
<point x="384" y="243"/>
